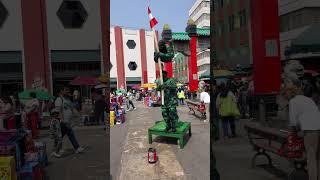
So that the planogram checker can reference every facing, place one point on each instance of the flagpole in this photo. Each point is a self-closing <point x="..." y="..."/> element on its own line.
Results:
<point x="159" y="62"/>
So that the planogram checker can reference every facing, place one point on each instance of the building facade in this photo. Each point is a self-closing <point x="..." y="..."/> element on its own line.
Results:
<point x="200" y="14"/>
<point x="232" y="28"/>
<point x="181" y="61"/>
<point x="49" y="51"/>
<point x="131" y="57"/>
<point x="296" y="17"/>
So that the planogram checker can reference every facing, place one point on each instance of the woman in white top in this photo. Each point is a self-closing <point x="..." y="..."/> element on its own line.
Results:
<point x="304" y="116"/>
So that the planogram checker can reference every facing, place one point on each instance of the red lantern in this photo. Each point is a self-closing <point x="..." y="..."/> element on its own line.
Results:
<point x="152" y="155"/>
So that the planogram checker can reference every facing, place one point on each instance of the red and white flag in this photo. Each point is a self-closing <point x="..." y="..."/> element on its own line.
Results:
<point x="152" y="19"/>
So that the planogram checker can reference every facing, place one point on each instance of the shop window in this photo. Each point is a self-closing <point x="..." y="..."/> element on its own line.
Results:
<point x="243" y="18"/>
<point x="131" y="44"/>
<point x="221" y="3"/>
<point x="3" y="14"/>
<point x="132" y="66"/>
<point x="231" y="23"/>
<point x="72" y="14"/>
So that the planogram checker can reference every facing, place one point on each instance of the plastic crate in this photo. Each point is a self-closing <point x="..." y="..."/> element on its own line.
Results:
<point x="31" y="171"/>
<point x="7" y="168"/>
<point x="42" y="149"/>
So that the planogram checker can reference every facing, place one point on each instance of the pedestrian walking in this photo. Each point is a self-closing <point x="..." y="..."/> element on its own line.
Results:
<point x="55" y="132"/>
<point x="130" y="97"/>
<point x="99" y="107"/>
<point x="205" y="97"/>
<point x="181" y="96"/>
<point x="32" y="109"/>
<point x="6" y="113"/>
<point x="304" y="116"/>
<point x="227" y="106"/>
<point x="66" y="110"/>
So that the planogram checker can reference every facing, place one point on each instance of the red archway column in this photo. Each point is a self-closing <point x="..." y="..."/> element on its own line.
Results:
<point x="105" y="34"/>
<point x="265" y="46"/>
<point x="144" y="64"/>
<point x="168" y="68"/>
<point x="35" y="44"/>
<point x="121" y="81"/>
<point x="193" y="69"/>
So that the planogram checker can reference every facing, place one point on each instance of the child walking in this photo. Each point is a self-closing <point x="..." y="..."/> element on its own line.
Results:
<point x="55" y="132"/>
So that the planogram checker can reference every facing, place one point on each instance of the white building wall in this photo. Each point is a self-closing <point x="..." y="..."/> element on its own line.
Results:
<point x="195" y="13"/>
<point x="204" y="23"/>
<point x="113" y="57"/>
<point x="287" y="37"/>
<point x="194" y="6"/>
<point x="11" y="34"/>
<point x="132" y="54"/>
<point x="150" y="62"/>
<point x="203" y="10"/>
<point x="86" y="38"/>
<point x="286" y="6"/>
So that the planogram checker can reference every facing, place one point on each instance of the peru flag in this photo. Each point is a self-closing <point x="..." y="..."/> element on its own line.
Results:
<point x="153" y="20"/>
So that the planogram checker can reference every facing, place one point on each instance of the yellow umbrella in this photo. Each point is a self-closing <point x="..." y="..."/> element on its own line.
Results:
<point x="103" y="78"/>
<point x="149" y="85"/>
<point x="222" y="73"/>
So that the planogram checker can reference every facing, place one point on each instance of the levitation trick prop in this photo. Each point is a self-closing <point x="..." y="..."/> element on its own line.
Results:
<point x="169" y="126"/>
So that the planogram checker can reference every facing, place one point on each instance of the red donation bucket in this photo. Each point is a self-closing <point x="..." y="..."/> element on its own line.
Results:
<point x="152" y="155"/>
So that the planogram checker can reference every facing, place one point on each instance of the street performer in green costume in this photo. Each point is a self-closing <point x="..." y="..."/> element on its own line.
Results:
<point x="166" y="54"/>
<point x="169" y="110"/>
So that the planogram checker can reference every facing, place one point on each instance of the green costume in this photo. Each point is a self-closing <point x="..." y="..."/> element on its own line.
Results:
<point x="166" y="54"/>
<point x="169" y="110"/>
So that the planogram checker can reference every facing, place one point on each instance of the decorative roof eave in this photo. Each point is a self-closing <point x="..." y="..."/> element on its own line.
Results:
<point x="183" y="36"/>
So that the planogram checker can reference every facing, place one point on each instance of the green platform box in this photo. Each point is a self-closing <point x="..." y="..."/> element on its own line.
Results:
<point x="159" y="129"/>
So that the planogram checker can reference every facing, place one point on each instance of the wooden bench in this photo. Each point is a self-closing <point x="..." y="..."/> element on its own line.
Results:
<point x="195" y="107"/>
<point x="159" y="130"/>
<point x="270" y="140"/>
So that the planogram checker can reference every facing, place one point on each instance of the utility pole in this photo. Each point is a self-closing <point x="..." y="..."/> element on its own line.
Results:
<point x="214" y="174"/>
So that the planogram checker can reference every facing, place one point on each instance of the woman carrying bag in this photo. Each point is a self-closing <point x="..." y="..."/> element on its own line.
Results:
<point x="228" y="110"/>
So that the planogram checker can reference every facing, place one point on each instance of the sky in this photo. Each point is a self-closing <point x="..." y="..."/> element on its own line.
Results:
<point x="134" y="14"/>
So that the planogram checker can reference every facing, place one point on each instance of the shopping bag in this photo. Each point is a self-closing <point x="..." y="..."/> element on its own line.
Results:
<point x="228" y="107"/>
<point x="235" y="110"/>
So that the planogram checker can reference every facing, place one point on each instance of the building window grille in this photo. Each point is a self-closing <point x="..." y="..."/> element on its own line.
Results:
<point x="72" y="14"/>
<point x="3" y="14"/>
<point x="132" y="66"/>
<point x="131" y="44"/>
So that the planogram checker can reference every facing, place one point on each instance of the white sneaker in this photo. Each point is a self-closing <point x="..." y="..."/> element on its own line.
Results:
<point x="54" y="154"/>
<point x="134" y="108"/>
<point x="79" y="150"/>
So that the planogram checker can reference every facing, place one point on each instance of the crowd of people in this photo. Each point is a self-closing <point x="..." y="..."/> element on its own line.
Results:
<point x="232" y="100"/>
<point x="62" y="113"/>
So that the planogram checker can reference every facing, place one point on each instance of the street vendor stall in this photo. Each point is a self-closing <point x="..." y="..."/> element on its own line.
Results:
<point x="149" y="85"/>
<point x="85" y="81"/>
<point x="20" y="156"/>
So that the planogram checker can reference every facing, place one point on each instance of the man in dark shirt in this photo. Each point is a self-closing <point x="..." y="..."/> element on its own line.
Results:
<point x="99" y="107"/>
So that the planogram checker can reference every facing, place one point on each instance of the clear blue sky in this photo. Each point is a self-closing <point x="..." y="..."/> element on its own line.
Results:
<point x="134" y="14"/>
